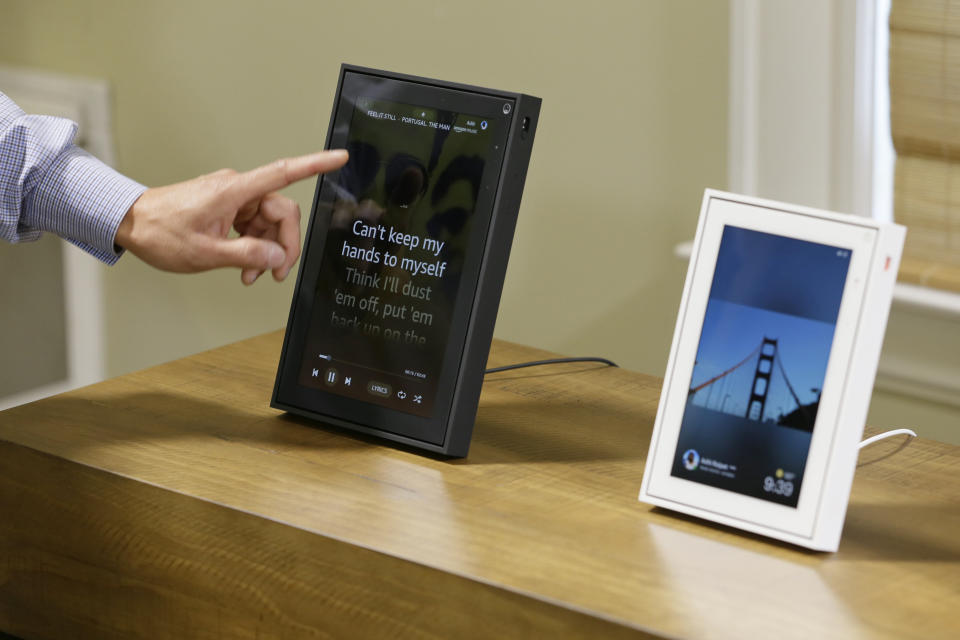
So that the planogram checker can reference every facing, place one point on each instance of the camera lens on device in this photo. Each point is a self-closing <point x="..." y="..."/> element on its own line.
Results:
<point x="506" y="108"/>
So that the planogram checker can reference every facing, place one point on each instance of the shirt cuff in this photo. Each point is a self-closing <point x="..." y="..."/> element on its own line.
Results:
<point x="84" y="201"/>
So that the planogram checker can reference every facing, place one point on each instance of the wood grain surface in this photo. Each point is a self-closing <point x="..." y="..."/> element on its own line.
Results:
<point x="174" y="503"/>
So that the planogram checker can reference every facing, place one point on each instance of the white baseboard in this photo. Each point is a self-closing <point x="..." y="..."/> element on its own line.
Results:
<point x="36" y="393"/>
<point x="917" y="380"/>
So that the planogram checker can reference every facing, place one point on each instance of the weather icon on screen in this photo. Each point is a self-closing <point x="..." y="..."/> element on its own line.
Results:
<point x="691" y="459"/>
<point x="483" y="125"/>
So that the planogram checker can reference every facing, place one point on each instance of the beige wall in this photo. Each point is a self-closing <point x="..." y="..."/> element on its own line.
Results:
<point x="633" y="128"/>
<point x="33" y="340"/>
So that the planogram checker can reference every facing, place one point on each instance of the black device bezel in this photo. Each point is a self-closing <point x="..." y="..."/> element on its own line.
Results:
<point x="449" y="428"/>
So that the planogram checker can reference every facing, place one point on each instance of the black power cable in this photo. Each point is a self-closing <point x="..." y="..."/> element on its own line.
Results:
<point x="537" y="363"/>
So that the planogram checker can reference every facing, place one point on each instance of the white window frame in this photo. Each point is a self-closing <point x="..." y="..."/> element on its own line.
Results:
<point x="87" y="102"/>
<point x="844" y="149"/>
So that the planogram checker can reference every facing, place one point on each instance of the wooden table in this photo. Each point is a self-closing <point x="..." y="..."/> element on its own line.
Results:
<point x="174" y="503"/>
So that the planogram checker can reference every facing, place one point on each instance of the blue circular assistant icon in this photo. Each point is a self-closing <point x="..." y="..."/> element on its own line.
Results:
<point x="483" y="125"/>
<point x="691" y="459"/>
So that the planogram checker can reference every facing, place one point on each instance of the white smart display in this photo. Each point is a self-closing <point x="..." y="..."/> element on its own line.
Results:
<point x="771" y="367"/>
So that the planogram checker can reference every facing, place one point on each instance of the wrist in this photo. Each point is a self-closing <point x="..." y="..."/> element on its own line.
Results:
<point x="125" y="230"/>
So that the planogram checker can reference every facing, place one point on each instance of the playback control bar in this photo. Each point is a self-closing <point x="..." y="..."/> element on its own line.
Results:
<point x="404" y="393"/>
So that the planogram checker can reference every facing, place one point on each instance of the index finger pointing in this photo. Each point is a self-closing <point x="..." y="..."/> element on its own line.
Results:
<point x="280" y="173"/>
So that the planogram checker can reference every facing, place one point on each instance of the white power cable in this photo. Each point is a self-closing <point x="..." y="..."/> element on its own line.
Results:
<point x="887" y="434"/>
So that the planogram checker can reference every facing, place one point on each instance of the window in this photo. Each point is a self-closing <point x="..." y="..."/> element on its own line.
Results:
<point x="925" y="126"/>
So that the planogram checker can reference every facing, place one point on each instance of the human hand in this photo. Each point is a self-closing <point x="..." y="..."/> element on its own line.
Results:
<point x="183" y="227"/>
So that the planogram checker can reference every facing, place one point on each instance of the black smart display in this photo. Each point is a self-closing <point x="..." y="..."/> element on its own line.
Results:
<point x="405" y="257"/>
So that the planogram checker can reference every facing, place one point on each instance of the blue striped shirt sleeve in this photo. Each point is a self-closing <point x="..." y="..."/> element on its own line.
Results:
<point x="49" y="184"/>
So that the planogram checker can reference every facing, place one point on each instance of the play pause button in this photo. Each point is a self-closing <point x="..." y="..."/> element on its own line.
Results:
<point x="331" y="376"/>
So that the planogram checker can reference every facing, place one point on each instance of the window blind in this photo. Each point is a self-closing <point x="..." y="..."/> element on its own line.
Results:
<point x="925" y="125"/>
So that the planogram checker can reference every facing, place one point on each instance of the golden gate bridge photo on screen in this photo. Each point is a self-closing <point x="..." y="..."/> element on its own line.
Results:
<point x="759" y="388"/>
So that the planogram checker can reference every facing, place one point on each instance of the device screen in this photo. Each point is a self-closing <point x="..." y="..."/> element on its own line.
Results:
<point x="400" y="222"/>
<point x="760" y="364"/>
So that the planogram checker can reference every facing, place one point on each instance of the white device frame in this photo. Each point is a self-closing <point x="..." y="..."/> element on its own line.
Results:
<point x="817" y="520"/>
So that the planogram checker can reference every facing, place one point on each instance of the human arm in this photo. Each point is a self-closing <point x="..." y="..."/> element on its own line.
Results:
<point x="184" y="227"/>
<point x="49" y="184"/>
